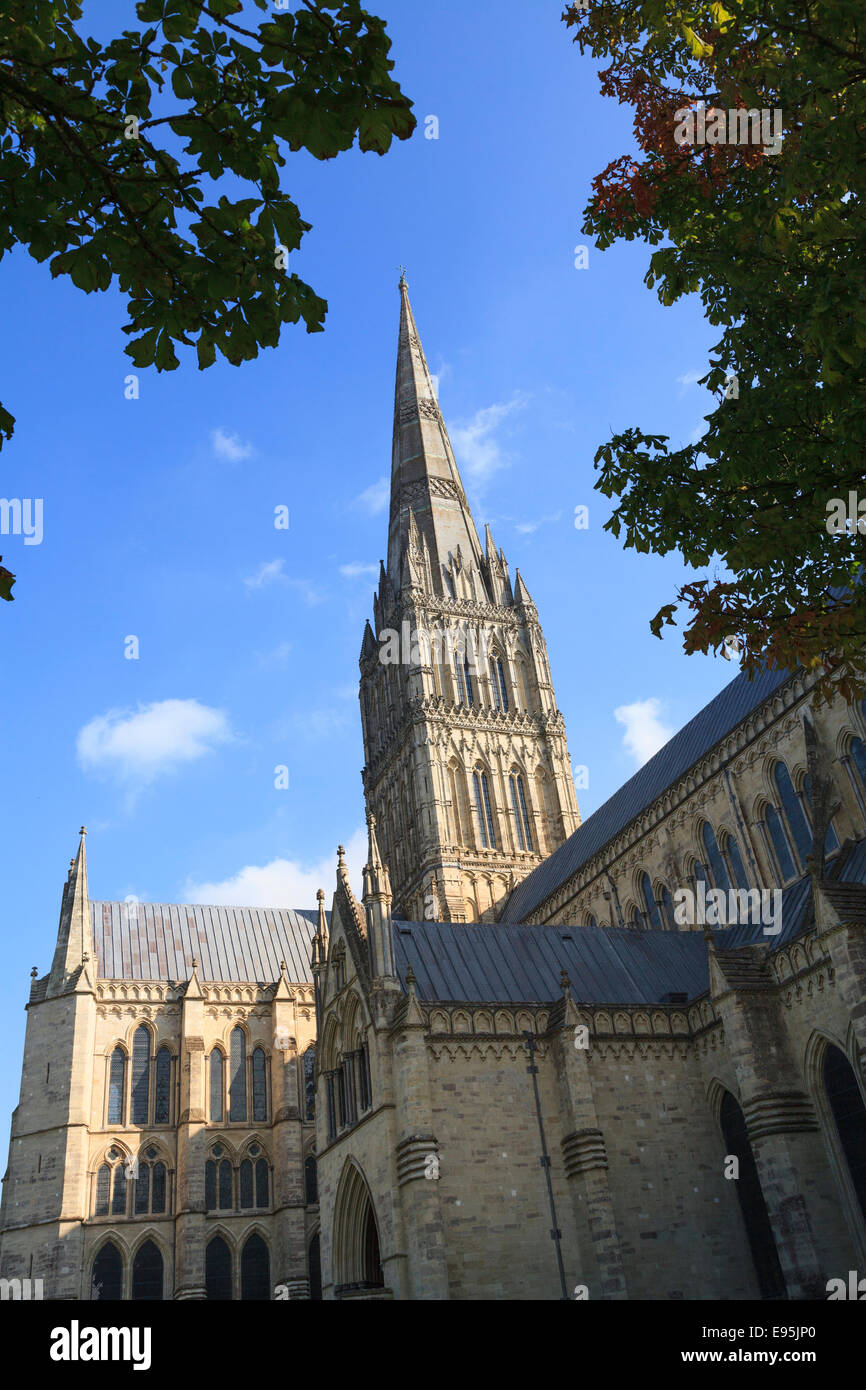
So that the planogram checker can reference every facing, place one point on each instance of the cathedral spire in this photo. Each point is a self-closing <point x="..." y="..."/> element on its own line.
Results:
<point x="425" y="482"/>
<point x="466" y="761"/>
<point x="74" y="948"/>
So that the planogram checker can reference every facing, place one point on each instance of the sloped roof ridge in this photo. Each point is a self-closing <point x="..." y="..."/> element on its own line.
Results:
<point x="738" y="699"/>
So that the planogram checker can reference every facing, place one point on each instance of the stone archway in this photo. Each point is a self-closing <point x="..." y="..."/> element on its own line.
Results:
<point x="355" y="1251"/>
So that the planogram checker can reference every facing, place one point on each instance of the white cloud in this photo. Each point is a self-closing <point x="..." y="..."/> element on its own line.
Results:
<point x="689" y="379"/>
<point x="644" y="733"/>
<point x="374" y="499"/>
<point x="526" y="528"/>
<point x="267" y="573"/>
<point x="230" y="446"/>
<point x="283" y="882"/>
<point x="277" y="659"/>
<point x="479" y="453"/>
<point x="308" y="592"/>
<point x="139" y="746"/>
<point x="271" y="572"/>
<point x="356" y="570"/>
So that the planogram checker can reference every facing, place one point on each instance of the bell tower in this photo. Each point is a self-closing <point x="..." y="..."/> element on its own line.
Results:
<point x="467" y="769"/>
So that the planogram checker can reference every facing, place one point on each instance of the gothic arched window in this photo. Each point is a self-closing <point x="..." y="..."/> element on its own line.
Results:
<point x="218" y="1271"/>
<point x="140" y="1089"/>
<point x="246" y="1184"/>
<point x="218" y="1184"/>
<point x="224" y="1174"/>
<point x="260" y="1086"/>
<point x="311" y="1182"/>
<point x="750" y="1195"/>
<point x="483" y="808"/>
<point x="310" y="1083"/>
<point x="366" y="1085"/>
<point x="142" y="1189"/>
<point x="216" y="1086"/>
<point x="106" y="1276"/>
<point x="463" y="680"/>
<point x="781" y="847"/>
<point x="110" y="1197"/>
<point x="158" y="1189"/>
<point x="118" y="1193"/>
<point x="519" y="811"/>
<point x="147" y="1273"/>
<point x="718" y="867"/>
<point x="103" y="1190"/>
<point x="262" y="1183"/>
<point x="149" y="1180"/>
<point x="116" y="1086"/>
<point x="255" y="1270"/>
<point x="162" y="1098"/>
<point x="792" y="809"/>
<point x="734" y="861"/>
<point x="849" y="1115"/>
<point x="238" y="1076"/>
<point x="857" y="753"/>
<point x="653" y="920"/>
<point x="497" y="684"/>
<point x="373" y="1275"/>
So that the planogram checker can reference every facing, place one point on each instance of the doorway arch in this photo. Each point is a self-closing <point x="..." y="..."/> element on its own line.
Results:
<point x="753" y="1207"/>
<point x="356" y="1249"/>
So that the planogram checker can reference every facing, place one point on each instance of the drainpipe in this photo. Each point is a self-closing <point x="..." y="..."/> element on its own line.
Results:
<point x="555" y="1234"/>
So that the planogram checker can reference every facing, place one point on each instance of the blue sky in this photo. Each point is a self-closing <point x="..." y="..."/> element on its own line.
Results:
<point x="158" y="513"/>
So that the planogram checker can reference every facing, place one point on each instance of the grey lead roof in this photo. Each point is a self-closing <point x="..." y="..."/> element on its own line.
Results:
<point x="606" y="965"/>
<point x="492" y="963"/>
<point x="157" y="941"/>
<point x="499" y="964"/>
<point x="708" y="727"/>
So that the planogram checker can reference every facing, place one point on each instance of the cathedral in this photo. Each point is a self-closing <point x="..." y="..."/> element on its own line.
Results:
<point x="541" y="1058"/>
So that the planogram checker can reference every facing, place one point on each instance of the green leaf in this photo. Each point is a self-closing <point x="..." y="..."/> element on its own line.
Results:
<point x="7" y="579"/>
<point x="165" y="357"/>
<point x="206" y="352"/>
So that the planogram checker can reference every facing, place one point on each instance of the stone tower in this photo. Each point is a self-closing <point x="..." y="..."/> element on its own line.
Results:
<point x="46" y="1185"/>
<point x="467" y="768"/>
